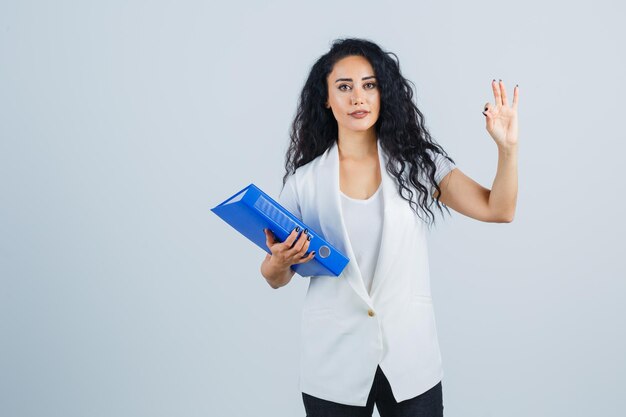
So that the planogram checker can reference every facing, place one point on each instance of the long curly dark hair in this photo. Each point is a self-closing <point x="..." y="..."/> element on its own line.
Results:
<point x="400" y="126"/>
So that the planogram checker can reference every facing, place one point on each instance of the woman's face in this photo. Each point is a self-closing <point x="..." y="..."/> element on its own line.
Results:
<point x="353" y="94"/>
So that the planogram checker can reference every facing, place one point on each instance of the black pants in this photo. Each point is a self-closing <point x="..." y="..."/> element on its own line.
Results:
<point x="428" y="404"/>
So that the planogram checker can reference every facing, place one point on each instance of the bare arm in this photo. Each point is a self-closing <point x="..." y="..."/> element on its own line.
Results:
<point x="276" y="268"/>
<point x="275" y="275"/>
<point x="466" y="196"/>
<point x="463" y="194"/>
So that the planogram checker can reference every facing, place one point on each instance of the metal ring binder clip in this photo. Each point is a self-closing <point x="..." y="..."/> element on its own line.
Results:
<point x="324" y="251"/>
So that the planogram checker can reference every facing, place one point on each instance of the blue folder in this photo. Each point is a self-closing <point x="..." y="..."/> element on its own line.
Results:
<point x="251" y="210"/>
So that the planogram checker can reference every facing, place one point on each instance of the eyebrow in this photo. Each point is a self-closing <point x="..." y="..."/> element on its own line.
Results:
<point x="350" y="79"/>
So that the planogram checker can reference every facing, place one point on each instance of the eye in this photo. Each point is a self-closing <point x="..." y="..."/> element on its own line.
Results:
<point x="341" y="87"/>
<point x="370" y="85"/>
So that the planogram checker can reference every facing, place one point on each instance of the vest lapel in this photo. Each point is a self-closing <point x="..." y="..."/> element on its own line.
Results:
<point x="391" y="225"/>
<point x="331" y="219"/>
<point x="334" y="228"/>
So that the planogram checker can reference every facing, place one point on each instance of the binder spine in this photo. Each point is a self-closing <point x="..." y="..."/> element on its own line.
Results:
<point x="282" y="223"/>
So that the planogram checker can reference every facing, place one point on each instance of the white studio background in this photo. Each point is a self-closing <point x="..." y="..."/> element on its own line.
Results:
<point x="123" y="123"/>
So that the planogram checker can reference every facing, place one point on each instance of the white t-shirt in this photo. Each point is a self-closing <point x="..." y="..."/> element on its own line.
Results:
<point x="364" y="224"/>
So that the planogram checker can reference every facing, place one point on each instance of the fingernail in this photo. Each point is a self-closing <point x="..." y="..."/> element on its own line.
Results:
<point x="297" y="229"/>
<point x="493" y="81"/>
<point x="516" y="85"/>
<point x="305" y="231"/>
<point x="308" y="237"/>
<point x="500" y="80"/>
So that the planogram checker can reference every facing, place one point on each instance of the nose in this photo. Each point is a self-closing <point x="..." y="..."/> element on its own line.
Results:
<point x="357" y="99"/>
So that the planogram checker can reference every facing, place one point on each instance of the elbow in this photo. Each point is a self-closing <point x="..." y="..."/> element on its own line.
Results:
<point x="502" y="215"/>
<point x="504" y="218"/>
<point x="270" y="282"/>
<point x="273" y="283"/>
<point x="274" y="278"/>
<point x="274" y="286"/>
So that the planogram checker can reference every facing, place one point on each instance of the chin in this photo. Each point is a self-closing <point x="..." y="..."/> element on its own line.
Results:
<point x="359" y="127"/>
<point x="362" y="128"/>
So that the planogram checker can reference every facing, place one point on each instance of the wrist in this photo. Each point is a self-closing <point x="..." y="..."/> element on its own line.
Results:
<point x="507" y="149"/>
<point x="277" y="266"/>
<point x="273" y="270"/>
<point x="275" y="274"/>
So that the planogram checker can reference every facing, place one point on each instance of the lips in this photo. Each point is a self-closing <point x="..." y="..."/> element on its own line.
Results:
<point x="359" y="114"/>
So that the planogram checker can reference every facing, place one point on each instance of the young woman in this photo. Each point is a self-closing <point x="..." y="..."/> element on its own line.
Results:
<point x="363" y="171"/>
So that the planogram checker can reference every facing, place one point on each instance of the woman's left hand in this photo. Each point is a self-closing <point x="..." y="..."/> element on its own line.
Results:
<point x="502" y="118"/>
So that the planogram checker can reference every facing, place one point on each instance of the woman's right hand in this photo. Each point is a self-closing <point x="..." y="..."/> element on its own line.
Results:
<point x="291" y="251"/>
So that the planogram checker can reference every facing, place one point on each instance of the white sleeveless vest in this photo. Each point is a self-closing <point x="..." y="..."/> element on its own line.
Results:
<point x="346" y="332"/>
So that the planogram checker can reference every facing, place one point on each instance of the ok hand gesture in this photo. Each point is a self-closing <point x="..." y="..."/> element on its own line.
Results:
<point x="501" y="118"/>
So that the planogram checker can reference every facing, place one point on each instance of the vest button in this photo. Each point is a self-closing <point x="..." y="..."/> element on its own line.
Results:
<point x="370" y="313"/>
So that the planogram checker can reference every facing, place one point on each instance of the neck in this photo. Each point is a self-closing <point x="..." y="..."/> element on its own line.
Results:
<point x="357" y="145"/>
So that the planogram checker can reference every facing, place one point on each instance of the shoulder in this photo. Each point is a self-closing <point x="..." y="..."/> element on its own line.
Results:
<point x="296" y="185"/>
<point x="307" y="170"/>
<point x="443" y="164"/>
